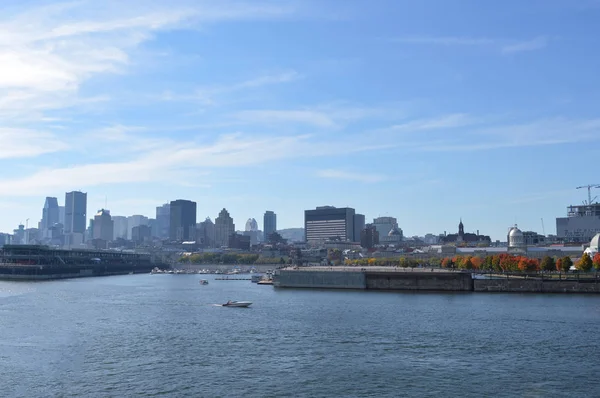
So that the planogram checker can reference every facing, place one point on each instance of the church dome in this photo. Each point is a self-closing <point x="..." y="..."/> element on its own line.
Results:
<point x="516" y="237"/>
<point x="515" y="232"/>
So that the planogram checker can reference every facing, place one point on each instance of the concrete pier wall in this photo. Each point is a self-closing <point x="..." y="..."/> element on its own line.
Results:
<point x="424" y="281"/>
<point x="515" y="285"/>
<point x="321" y="279"/>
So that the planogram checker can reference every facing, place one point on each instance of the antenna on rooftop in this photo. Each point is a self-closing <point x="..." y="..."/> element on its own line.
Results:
<point x="589" y="189"/>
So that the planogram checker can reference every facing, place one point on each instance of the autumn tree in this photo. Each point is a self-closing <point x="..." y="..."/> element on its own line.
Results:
<point x="548" y="264"/>
<point x="566" y="264"/>
<point x="477" y="262"/>
<point x="596" y="261"/>
<point x="585" y="263"/>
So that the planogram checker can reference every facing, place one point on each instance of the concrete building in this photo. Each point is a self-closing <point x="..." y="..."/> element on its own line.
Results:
<point x="240" y="242"/>
<point x="369" y="237"/>
<point x="103" y="227"/>
<point x="75" y="212"/>
<point x="224" y="227"/>
<point x="163" y="221"/>
<point x="182" y="220"/>
<point x="61" y="215"/>
<point x="581" y="224"/>
<point x="205" y="233"/>
<point x="327" y="223"/>
<point x="120" y="224"/>
<point x="135" y="221"/>
<point x="359" y="225"/>
<point x="269" y="224"/>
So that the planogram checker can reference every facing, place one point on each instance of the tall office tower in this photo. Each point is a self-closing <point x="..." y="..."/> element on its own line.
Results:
<point x="103" y="226"/>
<point x="50" y="216"/>
<point x="182" y="220"/>
<point x="269" y="224"/>
<point x="163" y="220"/>
<point x="224" y="227"/>
<point x="75" y="212"/>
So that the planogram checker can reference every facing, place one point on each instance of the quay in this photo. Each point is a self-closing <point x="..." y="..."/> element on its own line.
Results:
<point x="423" y="279"/>
<point x="37" y="262"/>
<point x="233" y="279"/>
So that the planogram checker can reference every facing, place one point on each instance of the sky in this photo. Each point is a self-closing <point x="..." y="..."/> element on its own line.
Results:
<point x="428" y="111"/>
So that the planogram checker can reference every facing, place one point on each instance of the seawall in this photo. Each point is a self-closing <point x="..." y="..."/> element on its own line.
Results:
<point x="515" y="285"/>
<point x="388" y="278"/>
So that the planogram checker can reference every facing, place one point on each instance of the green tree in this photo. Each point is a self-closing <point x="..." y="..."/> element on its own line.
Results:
<point x="566" y="264"/>
<point x="585" y="263"/>
<point x="548" y="264"/>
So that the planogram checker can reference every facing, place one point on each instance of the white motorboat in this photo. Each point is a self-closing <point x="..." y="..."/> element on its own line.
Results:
<point x="237" y="304"/>
<point x="203" y="282"/>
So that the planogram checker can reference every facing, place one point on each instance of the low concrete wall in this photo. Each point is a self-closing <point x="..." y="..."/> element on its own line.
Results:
<point x="320" y="279"/>
<point x="534" y="286"/>
<point x="420" y="281"/>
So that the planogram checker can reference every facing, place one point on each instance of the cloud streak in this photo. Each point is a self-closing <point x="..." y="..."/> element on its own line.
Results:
<point x="504" y="46"/>
<point x="351" y="176"/>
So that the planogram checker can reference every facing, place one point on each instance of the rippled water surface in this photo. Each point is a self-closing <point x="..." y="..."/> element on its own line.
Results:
<point x="150" y="335"/>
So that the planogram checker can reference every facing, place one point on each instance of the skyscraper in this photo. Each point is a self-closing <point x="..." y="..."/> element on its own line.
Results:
<point x="205" y="233"/>
<point x="163" y="220"/>
<point x="269" y="224"/>
<point x="75" y="212"/>
<point x="359" y="225"/>
<point x="135" y="221"/>
<point x="224" y="227"/>
<point x="182" y="220"/>
<point x="50" y="215"/>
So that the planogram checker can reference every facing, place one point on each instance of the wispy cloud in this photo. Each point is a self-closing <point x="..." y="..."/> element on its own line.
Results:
<point x="24" y="143"/>
<point x="445" y="40"/>
<point x="527" y="45"/>
<point x="504" y="46"/>
<point x="351" y="176"/>
<point x="437" y="123"/>
<point x="266" y="117"/>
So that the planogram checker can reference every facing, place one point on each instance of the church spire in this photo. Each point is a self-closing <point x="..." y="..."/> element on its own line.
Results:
<point x="461" y="229"/>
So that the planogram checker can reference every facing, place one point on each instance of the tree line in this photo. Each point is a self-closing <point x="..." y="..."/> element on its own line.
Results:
<point x="231" y="258"/>
<point x="509" y="263"/>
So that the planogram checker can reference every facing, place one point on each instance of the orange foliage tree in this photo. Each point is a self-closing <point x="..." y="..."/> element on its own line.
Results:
<point x="596" y="261"/>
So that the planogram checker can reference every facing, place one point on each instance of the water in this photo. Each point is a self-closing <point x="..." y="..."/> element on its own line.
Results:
<point x="151" y="335"/>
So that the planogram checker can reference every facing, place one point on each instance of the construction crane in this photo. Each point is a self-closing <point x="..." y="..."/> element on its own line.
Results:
<point x="589" y="188"/>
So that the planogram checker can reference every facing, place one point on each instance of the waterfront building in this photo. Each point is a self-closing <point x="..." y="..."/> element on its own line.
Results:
<point x="163" y="220"/>
<point x="359" y="225"/>
<point x="75" y="212"/>
<point x="581" y="224"/>
<point x="205" y="233"/>
<point x="462" y="238"/>
<point x="182" y="220"/>
<point x="103" y="226"/>
<point x="224" y="227"/>
<point x="594" y="247"/>
<point x="329" y="223"/>
<point x="50" y="216"/>
<point x="269" y="224"/>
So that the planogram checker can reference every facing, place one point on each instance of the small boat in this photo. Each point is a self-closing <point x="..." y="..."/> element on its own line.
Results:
<point x="203" y="282"/>
<point x="265" y="282"/>
<point x="237" y="304"/>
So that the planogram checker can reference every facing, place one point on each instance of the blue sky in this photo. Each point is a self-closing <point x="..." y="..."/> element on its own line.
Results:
<point x="426" y="110"/>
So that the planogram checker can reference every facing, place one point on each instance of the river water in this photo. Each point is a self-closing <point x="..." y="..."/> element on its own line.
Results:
<point x="151" y="335"/>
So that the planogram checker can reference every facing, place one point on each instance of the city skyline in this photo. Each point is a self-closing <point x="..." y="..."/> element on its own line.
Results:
<point x="425" y="112"/>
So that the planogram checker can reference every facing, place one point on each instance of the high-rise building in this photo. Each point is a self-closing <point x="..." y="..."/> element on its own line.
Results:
<point x="50" y="213"/>
<point x="141" y="233"/>
<point x="205" y="233"/>
<point x="182" y="221"/>
<point x="359" y="225"/>
<point x="224" y="227"/>
<point x="61" y="215"/>
<point x="135" y="221"/>
<point x="329" y="223"/>
<point x="269" y="224"/>
<point x="120" y="224"/>
<point x="103" y="226"/>
<point x="163" y="220"/>
<point x="252" y="231"/>
<point x="75" y="212"/>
